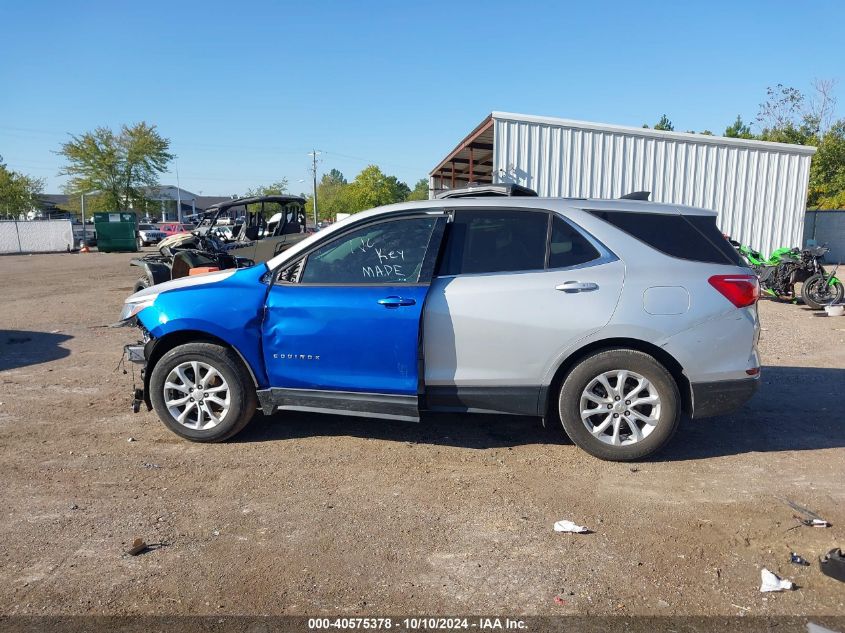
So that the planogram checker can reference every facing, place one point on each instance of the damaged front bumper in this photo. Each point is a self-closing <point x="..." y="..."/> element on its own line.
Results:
<point x="135" y="353"/>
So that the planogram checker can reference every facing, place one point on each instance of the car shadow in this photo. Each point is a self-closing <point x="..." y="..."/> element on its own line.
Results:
<point x="464" y="430"/>
<point x="796" y="408"/>
<point x="21" y="348"/>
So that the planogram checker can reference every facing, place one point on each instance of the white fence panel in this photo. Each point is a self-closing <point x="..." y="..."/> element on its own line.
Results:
<point x="38" y="236"/>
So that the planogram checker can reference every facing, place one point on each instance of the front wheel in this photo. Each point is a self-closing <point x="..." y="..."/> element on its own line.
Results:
<point x="817" y="292"/>
<point x="141" y="283"/>
<point x="619" y="405"/>
<point x="202" y="392"/>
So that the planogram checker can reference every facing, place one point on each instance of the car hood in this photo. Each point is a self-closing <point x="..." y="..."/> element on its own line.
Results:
<point x="185" y="282"/>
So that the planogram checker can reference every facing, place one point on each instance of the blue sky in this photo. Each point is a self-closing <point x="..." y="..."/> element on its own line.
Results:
<point x="245" y="89"/>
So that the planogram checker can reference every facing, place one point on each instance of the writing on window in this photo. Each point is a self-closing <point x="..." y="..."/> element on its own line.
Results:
<point x="389" y="252"/>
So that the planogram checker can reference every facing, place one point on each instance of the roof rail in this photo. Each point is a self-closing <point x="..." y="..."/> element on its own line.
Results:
<point x="636" y="195"/>
<point x="486" y="191"/>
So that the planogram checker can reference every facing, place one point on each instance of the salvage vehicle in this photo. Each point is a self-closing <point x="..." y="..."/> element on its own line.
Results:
<point x="611" y="317"/>
<point x="149" y="234"/>
<point x="174" y="228"/>
<point x="232" y="234"/>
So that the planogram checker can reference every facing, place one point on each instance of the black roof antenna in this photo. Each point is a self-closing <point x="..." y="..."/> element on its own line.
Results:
<point x="636" y="195"/>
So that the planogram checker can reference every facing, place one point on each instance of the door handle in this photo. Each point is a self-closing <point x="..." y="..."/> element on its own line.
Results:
<point x="577" y="286"/>
<point x="395" y="302"/>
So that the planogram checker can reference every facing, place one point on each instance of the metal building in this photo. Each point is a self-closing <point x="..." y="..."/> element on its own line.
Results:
<point x="758" y="188"/>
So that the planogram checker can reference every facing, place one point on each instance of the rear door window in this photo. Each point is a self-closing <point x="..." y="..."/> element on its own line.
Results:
<point x="693" y="237"/>
<point x="495" y="241"/>
<point x="567" y="247"/>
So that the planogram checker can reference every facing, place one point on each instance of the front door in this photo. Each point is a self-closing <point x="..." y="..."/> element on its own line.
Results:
<point x="341" y="329"/>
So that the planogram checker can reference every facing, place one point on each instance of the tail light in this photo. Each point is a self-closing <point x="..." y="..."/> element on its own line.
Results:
<point x="740" y="290"/>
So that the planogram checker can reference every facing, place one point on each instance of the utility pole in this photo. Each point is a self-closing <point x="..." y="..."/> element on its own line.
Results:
<point x="313" y="154"/>
<point x="178" y="194"/>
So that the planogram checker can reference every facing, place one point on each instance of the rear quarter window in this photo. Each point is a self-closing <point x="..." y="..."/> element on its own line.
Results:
<point x="690" y="237"/>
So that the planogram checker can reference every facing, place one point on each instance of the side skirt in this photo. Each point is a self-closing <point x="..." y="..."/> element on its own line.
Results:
<point x="389" y="406"/>
<point x="521" y="400"/>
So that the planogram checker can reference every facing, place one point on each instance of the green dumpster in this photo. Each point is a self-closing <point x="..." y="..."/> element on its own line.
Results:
<point x="116" y="232"/>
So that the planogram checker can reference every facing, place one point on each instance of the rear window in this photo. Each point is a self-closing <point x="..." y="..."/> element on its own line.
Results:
<point x="691" y="237"/>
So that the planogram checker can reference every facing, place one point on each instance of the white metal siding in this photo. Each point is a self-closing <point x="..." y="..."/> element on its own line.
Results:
<point x="758" y="190"/>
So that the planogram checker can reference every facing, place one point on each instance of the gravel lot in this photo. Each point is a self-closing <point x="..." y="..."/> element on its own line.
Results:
<point x="308" y="514"/>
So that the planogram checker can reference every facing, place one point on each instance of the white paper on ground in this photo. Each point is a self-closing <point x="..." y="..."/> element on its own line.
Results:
<point x="771" y="582"/>
<point x="569" y="526"/>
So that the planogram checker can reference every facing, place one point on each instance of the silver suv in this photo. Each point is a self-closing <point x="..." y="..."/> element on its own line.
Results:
<point x="611" y="316"/>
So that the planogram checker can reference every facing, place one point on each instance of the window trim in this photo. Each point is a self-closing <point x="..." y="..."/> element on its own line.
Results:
<point x="605" y="254"/>
<point x="428" y="262"/>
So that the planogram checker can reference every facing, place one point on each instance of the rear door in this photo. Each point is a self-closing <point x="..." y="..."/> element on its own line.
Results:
<point x="341" y="329"/>
<point x="515" y="290"/>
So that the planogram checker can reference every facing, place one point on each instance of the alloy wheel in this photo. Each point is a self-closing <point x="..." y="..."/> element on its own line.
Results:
<point x="620" y="407"/>
<point x="196" y="395"/>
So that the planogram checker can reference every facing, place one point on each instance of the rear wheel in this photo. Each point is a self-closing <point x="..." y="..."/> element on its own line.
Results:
<point x="619" y="405"/>
<point x="202" y="392"/>
<point x="817" y="293"/>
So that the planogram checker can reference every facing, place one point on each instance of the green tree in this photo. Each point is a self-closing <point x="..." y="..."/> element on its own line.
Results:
<point x="739" y="129"/>
<point x="333" y="177"/>
<point x="278" y="188"/>
<point x="18" y="192"/>
<point x="664" y="124"/>
<point x="120" y="165"/>
<point x="420" y="190"/>
<point x="788" y="116"/>
<point x="372" y="188"/>
<point x="827" y="170"/>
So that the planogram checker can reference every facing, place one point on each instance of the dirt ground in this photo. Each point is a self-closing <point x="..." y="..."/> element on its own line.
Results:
<point x="308" y="514"/>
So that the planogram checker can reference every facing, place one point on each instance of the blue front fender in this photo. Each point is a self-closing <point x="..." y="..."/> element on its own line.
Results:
<point x="230" y="309"/>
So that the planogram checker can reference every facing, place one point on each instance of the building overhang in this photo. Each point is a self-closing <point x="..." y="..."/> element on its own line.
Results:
<point x="470" y="162"/>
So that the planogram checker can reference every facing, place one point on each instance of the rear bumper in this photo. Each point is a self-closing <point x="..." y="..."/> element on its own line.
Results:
<point x="721" y="397"/>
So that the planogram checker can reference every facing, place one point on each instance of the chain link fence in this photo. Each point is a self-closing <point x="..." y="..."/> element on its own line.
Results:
<point x="37" y="236"/>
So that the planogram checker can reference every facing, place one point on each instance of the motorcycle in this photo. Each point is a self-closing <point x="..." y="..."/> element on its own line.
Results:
<point x="820" y="288"/>
<point x="786" y="266"/>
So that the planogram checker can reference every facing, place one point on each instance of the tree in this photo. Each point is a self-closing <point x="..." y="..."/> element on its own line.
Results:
<point x="420" y="190"/>
<point x="664" y="124"/>
<point x="739" y="129"/>
<point x="278" y="188"/>
<point x="827" y="170"/>
<point x="120" y="165"/>
<point x="18" y="192"/>
<point x="790" y="117"/>
<point x="781" y="107"/>
<point x="333" y="177"/>
<point x="372" y="188"/>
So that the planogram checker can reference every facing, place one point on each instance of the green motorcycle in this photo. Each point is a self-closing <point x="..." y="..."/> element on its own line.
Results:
<point x="786" y="266"/>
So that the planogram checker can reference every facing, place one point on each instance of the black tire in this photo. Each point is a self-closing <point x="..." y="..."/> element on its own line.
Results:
<point x="817" y="294"/>
<point x="243" y="401"/>
<point x="579" y="378"/>
<point x="143" y="282"/>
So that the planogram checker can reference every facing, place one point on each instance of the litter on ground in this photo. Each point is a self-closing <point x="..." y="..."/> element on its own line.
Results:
<point x="569" y="526"/>
<point x="772" y="582"/>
